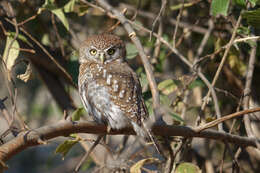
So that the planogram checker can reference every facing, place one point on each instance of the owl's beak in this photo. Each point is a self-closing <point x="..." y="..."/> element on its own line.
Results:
<point x="102" y="57"/>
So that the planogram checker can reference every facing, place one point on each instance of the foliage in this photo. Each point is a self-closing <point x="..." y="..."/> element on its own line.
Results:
<point x="39" y="61"/>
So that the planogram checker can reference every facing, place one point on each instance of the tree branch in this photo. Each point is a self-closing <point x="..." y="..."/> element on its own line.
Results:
<point x="38" y="136"/>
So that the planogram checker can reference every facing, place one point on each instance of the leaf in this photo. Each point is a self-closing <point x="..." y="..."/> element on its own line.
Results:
<point x="77" y="114"/>
<point x="142" y="77"/>
<point x="59" y="13"/>
<point x="241" y="3"/>
<point x="136" y="168"/>
<point x="49" y="5"/>
<point x="236" y="64"/>
<point x="131" y="51"/>
<point x="176" y="117"/>
<point x="167" y="86"/>
<point x="27" y="75"/>
<point x="82" y="10"/>
<point x="209" y="119"/>
<point x="10" y="55"/>
<point x="219" y="7"/>
<point x="45" y="40"/>
<point x="20" y="37"/>
<point x="254" y="2"/>
<point x="65" y="147"/>
<point x="196" y="83"/>
<point x="252" y="17"/>
<point x="69" y="7"/>
<point x="187" y="167"/>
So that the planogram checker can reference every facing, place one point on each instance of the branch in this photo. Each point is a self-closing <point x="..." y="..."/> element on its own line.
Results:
<point x="38" y="136"/>
<point x="247" y="90"/>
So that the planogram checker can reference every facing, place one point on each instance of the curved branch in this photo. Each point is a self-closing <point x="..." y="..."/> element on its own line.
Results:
<point x="39" y="136"/>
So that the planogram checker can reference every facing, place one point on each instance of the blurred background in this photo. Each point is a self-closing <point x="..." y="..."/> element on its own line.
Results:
<point x="43" y="70"/>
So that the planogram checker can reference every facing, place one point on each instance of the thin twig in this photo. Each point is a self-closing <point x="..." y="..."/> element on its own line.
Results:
<point x="222" y="62"/>
<point x="57" y="34"/>
<point x="227" y="117"/>
<point x="177" y="24"/>
<point x="171" y="21"/>
<point x="84" y="158"/>
<point x="163" y="5"/>
<point x="247" y="90"/>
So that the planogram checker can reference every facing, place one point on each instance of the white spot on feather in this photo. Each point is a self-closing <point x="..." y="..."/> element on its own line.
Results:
<point x="109" y="79"/>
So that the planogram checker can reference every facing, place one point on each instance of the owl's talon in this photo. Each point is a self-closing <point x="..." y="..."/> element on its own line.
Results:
<point x="109" y="129"/>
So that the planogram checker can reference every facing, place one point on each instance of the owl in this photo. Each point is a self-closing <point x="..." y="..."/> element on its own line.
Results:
<point x="109" y="89"/>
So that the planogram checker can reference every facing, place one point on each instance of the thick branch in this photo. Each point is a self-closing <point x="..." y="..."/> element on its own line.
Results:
<point x="35" y="137"/>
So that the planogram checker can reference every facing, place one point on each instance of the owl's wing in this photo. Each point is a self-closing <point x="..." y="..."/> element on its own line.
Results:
<point x="129" y="96"/>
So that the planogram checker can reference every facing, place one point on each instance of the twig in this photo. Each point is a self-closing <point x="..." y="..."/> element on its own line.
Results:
<point x="227" y="117"/>
<point x="157" y="43"/>
<point x="172" y="21"/>
<point x="57" y="34"/>
<point x="177" y="24"/>
<point x="255" y="38"/>
<point x="83" y="159"/>
<point x="222" y="61"/>
<point x="204" y="40"/>
<point x="247" y="90"/>
<point x="27" y="20"/>
<point x="163" y="5"/>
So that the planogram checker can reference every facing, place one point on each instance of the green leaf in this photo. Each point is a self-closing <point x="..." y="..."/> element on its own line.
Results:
<point x="167" y="86"/>
<point x="236" y="64"/>
<point x="241" y="3"/>
<point x="253" y="2"/>
<point x="20" y="37"/>
<point x="196" y="83"/>
<point x="10" y="55"/>
<point x="49" y="5"/>
<point x="252" y="17"/>
<point x="243" y="30"/>
<point x="176" y="117"/>
<point x="59" y="13"/>
<point x="219" y="7"/>
<point x="69" y="7"/>
<point x="77" y="114"/>
<point x="131" y="51"/>
<point x="65" y="147"/>
<point x="187" y="168"/>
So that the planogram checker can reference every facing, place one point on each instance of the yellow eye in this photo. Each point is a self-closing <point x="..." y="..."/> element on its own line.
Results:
<point x="93" y="51"/>
<point x="111" y="51"/>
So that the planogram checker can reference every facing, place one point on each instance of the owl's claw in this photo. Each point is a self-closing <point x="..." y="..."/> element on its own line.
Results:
<point x="108" y="129"/>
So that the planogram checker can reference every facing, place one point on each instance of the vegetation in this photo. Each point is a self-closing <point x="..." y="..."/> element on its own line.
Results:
<point x="197" y="63"/>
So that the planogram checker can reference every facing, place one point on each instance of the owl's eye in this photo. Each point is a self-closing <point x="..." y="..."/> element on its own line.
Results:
<point x="93" y="51"/>
<point x="111" y="51"/>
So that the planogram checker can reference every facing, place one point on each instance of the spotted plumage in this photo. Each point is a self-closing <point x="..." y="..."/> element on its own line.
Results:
<point x="109" y="88"/>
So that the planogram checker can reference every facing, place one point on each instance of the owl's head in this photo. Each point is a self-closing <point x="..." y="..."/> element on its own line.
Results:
<point x="103" y="48"/>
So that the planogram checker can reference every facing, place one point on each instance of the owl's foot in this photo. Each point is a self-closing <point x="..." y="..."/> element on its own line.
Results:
<point x="108" y="129"/>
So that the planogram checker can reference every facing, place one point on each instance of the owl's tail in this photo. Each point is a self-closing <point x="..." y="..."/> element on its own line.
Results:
<point x="146" y="133"/>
